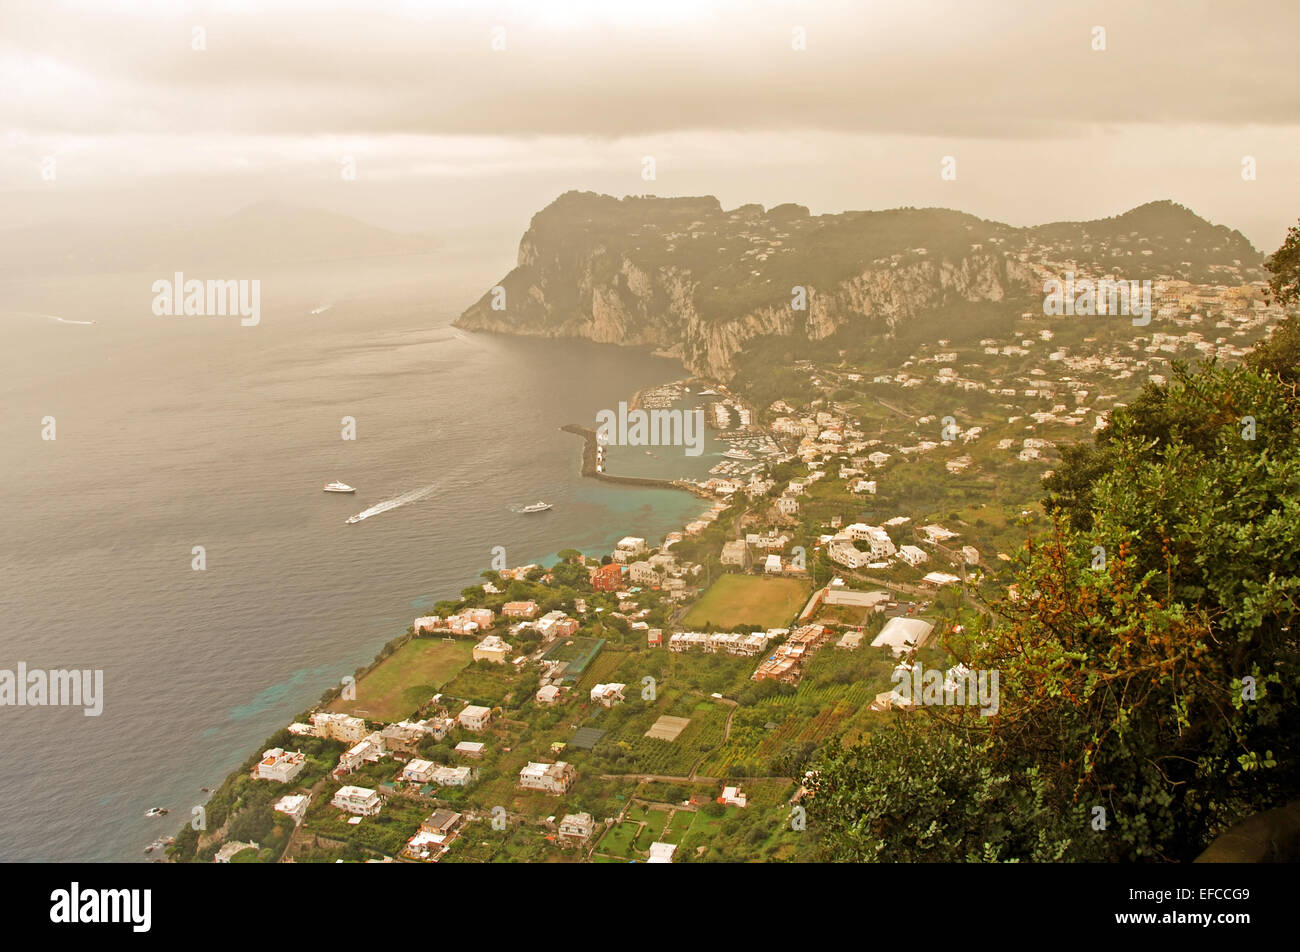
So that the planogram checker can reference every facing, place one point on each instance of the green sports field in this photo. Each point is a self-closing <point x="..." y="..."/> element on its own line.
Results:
<point x="407" y="678"/>
<point x="749" y="600"/>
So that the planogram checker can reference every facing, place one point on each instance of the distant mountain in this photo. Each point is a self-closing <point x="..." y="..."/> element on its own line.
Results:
<point x="685" y="276"/>
<point x="261" y="234"/>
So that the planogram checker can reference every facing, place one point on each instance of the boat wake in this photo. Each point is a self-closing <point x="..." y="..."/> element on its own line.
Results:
<point x="415" y="495"/>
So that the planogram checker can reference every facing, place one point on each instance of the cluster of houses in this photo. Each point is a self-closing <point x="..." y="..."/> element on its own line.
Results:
<point x="468" y="621"/>
<point x="858" y="546"/>
<point x="763" y="553"/>
<point x="787" y="660"/>
<point x="634" y="565"/>
<point x="747" y="644"/>
<point x="494" y="647"/>
<point x="400" y="739"/>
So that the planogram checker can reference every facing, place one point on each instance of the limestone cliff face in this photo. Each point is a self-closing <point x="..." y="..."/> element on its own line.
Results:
<point x="892" y="295"/>
<point x="686" y="278"/>
<point x="657" y="309"/>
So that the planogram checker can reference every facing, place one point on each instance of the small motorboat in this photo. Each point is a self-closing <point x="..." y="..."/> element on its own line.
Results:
<point x="538" y="506"/>
<point x="155" y="812"/>
<point x="338" y="487"/>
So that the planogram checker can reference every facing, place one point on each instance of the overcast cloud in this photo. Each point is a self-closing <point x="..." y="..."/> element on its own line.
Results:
<point x="440" y="124"/>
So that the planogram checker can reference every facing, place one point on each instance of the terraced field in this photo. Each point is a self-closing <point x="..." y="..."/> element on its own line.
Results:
<point x="652" y="756"/>
<point x="752" y="745"/>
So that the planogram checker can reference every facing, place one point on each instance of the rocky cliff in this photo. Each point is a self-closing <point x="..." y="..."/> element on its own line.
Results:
<point x="700" y="283"/>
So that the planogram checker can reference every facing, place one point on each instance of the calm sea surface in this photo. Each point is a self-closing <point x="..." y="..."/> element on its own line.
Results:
<point x="176" y="432"/>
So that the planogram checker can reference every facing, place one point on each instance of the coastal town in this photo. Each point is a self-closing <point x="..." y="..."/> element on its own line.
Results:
<point x="662" y="701"/>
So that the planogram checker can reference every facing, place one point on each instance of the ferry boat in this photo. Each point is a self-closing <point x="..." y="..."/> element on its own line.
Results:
<point x="338" y="487"/>
<point x="538" y="506"/>
<point x="738" y="454"/>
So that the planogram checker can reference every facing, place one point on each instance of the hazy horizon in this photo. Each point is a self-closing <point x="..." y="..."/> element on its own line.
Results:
<point x="451" y="137"/>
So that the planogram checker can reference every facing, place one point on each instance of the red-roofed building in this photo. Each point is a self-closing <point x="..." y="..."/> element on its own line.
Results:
<point x="608" y="578"/>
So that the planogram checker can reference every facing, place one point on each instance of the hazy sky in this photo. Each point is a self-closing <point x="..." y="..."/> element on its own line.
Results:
<point x="448" y="134"/>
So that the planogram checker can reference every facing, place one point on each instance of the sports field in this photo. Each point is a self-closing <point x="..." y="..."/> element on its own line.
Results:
<point x="407" y="678"/>
<point x="749" y="600"/>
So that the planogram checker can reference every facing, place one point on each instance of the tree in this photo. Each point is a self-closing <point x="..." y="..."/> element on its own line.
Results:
<point x="1279" y="357"/>
<point x="1285" y="266"/>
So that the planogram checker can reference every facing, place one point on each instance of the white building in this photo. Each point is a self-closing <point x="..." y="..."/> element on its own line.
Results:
<point x="903" y="634"/>
<point x="628" y="548"/>
<point x="368" y="750"/>
<point x="419" y="771"/>
<point x="475" y="718"/>
<point x="847" y="554"/>
<point x="662" y="852"/>
<point x="735" y="552"/>
<point x="881" y="545"/>
<point x="492" y="648"/>
<point x="554" y="778"/>
<point x="341" y="727"/>
<point x="937" y="533"/>
<point x="280" y="765"/>
<point x="294" y="805"/>
<point x="452" y="777"/>
<point x="577" y="827"/>
<point x="642" y="573"/>
<point x="359" y="800"/>
<point x="912" y="555"/>
<point x="732" y="797"/>
<point x="607" y="695"/>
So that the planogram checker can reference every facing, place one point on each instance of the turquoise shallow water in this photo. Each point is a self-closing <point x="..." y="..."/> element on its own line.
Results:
<point x="179" y="432"/>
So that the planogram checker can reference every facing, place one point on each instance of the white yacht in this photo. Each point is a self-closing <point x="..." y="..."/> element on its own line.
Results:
<point x="338" y="487"/>
<point x="538" y="506"/>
